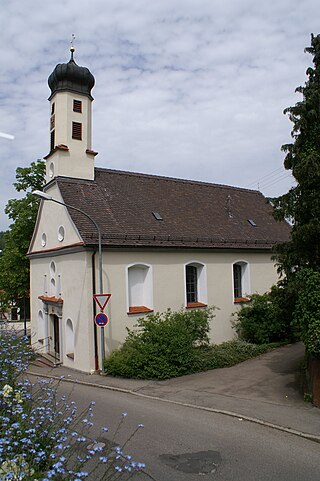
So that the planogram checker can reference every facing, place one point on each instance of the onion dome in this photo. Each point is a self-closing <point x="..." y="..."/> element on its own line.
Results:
<point x="71" y="77"/>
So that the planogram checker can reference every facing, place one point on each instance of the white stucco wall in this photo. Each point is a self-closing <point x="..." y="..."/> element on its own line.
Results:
<point x="64" y="116"/>
<point x="168" y="290"/>
<point x="52" y="217"/>
<point x="75" y="162"/>
<point x="73" y="283"/>
<point x="169" y="286"/>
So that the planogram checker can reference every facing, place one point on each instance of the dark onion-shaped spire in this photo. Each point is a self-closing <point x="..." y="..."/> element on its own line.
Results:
<point x="71" y="77"/>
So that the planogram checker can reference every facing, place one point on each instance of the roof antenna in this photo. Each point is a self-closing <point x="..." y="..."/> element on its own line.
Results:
<point x="72" y="49"/>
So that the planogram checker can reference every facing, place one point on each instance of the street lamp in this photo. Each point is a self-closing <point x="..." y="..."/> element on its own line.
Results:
<point x="45" y="196"/>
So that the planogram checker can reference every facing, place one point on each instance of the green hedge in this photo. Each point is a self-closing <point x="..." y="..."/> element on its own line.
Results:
<point x="173" y="344"/>
<point x="163" y="345"/>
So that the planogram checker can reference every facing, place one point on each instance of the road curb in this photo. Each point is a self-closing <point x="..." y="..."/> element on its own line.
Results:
<point x="310" y="437"/>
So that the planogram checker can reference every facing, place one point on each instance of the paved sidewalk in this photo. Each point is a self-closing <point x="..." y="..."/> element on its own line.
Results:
<point x="264" y="390"/>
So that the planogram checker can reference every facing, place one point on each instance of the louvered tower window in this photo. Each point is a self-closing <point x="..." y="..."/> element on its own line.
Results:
<point x="52" y="140"/>
<point x="77" y="106"/>
<point x="77" y="130"/>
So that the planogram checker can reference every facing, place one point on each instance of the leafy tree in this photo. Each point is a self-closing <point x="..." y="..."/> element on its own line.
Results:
<point x="267" y="318"/>
<point x="307" y="310"/>
<point x="2" y="234"/>
<point x="302" y="203"/>
<point x="14" y="265"/>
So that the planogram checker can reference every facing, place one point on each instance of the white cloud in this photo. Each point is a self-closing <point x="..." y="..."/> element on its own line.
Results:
<point x="187" y="88"/>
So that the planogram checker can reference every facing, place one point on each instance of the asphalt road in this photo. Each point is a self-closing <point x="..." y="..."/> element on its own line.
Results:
<point x="181" y="444"/>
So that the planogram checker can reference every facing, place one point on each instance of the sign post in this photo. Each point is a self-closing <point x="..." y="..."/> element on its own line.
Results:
<point x="102" y="320"/>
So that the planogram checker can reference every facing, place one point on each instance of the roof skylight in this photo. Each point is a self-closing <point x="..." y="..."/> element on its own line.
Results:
<point x="157" y="215"/>
<point x="252" y="222"/>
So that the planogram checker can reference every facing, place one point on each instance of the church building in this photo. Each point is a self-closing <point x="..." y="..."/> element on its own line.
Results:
<point x="152" y="242"/>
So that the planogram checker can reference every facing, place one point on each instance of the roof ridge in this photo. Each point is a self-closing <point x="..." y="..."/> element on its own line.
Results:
<point x="76" y="180"/>
<point x="175" y="179"/>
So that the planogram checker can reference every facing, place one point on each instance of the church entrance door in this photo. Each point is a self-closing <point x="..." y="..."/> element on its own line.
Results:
<point x="56" y="334"/>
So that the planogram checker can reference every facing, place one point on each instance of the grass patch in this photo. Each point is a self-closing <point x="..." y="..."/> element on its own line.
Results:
<point x="230" y="353"/>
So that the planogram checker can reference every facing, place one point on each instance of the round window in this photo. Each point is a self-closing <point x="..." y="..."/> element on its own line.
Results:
<point x="43" y="239"/>
<point x="61" y="233"/>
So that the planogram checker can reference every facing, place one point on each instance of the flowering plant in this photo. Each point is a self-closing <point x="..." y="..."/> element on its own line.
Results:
<point x="43" y="437"/>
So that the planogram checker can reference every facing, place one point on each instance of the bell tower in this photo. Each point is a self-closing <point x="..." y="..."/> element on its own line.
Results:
<point x="71" y="153"/>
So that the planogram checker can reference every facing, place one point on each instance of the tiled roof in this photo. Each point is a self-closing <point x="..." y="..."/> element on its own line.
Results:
<point x="194" y="214"/>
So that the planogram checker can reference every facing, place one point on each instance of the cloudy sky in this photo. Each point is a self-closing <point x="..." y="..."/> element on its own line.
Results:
<point x="184" y="88"/>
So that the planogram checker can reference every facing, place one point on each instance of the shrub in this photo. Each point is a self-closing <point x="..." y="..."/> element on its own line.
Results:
<point x="307" y="309"/>
<point x="268" y="317"/>
<point x="164" y="345"/>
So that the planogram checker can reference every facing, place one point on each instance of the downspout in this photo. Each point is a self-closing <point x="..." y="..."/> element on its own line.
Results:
<point x="95" y="333"/>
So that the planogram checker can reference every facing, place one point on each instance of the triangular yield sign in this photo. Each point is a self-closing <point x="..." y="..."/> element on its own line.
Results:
<point x="102" y="300"/>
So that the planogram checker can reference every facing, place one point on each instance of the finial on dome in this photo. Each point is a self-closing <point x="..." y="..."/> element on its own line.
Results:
<point x="72" y="49"/>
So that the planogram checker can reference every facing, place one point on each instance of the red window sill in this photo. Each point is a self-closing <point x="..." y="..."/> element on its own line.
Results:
<point x="195" y="304"/>
<point x="139" y="310"/>
<point x="238" y="300"/>
<point x="54" y="299"/>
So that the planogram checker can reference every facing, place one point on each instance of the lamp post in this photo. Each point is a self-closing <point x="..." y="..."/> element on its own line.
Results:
<point x="45" y="196"/>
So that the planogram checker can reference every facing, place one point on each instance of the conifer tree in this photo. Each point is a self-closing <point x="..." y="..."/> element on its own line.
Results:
<point x="302" y="203"/>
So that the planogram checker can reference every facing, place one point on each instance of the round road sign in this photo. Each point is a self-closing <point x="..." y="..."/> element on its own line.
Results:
<point x="101" y="319"/>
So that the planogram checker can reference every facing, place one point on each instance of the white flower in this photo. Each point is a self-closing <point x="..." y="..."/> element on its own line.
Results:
<point x="17" y="466"/>
<point x="18" y="397"/>
<point x="7" y="390"/>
